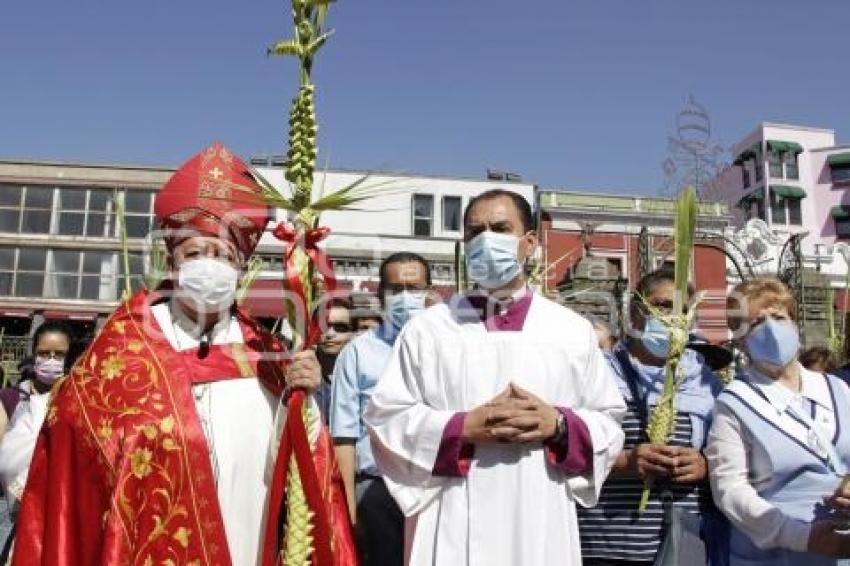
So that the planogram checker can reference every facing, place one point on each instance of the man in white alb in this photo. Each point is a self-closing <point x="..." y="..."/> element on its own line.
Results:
<point x="496" y="414"/>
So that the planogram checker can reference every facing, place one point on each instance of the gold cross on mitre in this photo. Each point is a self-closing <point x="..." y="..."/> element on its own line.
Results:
<point x="216" y="173"/>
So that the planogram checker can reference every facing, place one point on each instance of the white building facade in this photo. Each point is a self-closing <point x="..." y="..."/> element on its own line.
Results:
<point x="407" y="213"/>
<point x="61" y="255"/>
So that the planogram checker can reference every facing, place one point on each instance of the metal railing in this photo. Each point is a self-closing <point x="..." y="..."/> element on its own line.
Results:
<point x="13" y="349"/>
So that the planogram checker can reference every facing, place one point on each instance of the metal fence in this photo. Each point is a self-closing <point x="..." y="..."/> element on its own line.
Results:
<point x="13" y="349"/>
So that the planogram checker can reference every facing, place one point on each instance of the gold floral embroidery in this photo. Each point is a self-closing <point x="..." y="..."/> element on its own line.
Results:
<point x="51" y="415"/>
<point x="140" y="462"/>
<point x="104" y="431"/>
<point x="149" y="431"/>
<point x="139" y="439"/>
<point x="182" y="536"/>
<point x="112" y="367"/>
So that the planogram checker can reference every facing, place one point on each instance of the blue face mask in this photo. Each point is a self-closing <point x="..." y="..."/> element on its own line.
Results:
<point x="774" y="342"/>
<point x="491" y="259"/>
<point x="656" y="338"/>
<point x="403" y="306"/>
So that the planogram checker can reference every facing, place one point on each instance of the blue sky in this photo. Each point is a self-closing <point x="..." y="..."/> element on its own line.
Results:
<point x="567" y="93"/>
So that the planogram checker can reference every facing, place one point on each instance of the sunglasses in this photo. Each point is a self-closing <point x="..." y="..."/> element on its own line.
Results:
<point x="339" y="327"/>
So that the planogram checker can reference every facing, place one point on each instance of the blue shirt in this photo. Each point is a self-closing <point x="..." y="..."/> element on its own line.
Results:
<point x="356" y="373"/>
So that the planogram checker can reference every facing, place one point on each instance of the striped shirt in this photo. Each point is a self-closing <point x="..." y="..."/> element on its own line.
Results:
<point x="614" y="529"/>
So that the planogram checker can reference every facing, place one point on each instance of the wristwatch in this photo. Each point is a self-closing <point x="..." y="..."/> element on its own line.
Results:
<point x="560" y="428"/>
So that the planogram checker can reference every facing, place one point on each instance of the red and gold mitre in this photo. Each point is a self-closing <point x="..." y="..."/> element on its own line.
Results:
<point x="213" y="194"/>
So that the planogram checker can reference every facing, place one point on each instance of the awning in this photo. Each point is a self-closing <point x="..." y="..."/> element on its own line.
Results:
<point x="69" y="315"/>
<point x="16" y="313"/>
<point x="840" y="212"/>
<point x="839" y="160"/>
<point x="784" y="146"/>
<point x="749" y="153"/>
<point x="787" y="191"/>
<point x="757" y="194"/>
<point x="745" y="201"/>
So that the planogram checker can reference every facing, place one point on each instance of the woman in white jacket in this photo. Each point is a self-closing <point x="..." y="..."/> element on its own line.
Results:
<point x="778" y="449"/>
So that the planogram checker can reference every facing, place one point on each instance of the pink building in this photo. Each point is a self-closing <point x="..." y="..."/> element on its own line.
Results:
<point x="795" y="179"/>
<point x="787" y="180"/>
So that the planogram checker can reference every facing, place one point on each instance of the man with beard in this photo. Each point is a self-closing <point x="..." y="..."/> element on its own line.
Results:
<point x="496" y="413"/>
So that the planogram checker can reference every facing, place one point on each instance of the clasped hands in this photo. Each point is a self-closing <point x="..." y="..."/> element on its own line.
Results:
<point x="681" y="464"/>
<point x="514" y="416"/>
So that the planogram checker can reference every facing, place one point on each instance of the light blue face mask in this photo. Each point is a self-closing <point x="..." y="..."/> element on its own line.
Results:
<point x="491" y="259"/>
<point x="774" y="342"/>
<point x="656" y="338"/>
<point x="401" y="307"/>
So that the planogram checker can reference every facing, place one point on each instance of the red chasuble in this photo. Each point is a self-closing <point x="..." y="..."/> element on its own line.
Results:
<point x="121" y="473"/>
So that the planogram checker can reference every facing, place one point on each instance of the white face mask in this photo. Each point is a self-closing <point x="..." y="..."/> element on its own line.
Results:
<point x="403" y="306"/>
<point x="207" y="285"/>
<point x="491" y="259"/>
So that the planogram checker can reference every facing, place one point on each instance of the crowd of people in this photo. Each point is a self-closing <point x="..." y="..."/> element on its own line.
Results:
<point x="494" y="427"/>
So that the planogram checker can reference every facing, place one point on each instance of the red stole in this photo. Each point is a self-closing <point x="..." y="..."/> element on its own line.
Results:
<point x="121" y="472"/>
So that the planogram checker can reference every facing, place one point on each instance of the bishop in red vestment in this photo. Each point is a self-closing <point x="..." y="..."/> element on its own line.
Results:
<point x="156" y="448"/>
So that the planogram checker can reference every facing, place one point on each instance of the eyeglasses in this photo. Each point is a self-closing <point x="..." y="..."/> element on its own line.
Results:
<point x="339" y="327"/>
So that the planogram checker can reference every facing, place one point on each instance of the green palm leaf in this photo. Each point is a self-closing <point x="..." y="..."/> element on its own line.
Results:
<point x="317" y="43"/>
<point x="287" y="47"/>
<point x="271" y="194"/>
<point x="252" y="270"/>
<point x="120" y="210"/>
<point x="684" y="228"/>
<point x="343" y="198"/>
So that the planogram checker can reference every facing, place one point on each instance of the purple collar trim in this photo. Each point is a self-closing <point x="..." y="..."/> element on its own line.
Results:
<point x="508" y="316"/>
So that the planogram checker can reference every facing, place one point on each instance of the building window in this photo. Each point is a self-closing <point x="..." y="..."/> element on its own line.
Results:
<point x="746" y="176"/>
<point x="99" y="218"/>
<point x="138" y="213"/>
<point x="98" y="276"/>
<point x="72" y="211"/>
<point x="137" y="275"/>
<point x="840" y="174"/>
<point x="274" y="262"/>
<point x="76" y="274"/>
<point x="423" y="215"/>
<point x="775" y="164"/>
<point x="10" y="208"/>
<point x="451" y="214"/>
<point x="842" y="228"/>
<point x="795" y="211"/>
<point x="63" y="281"/>
<point x="755" y="209"/>
<point x="7" y="271"/>
<point x="63" y="274"/>
<point x="29" y="275"/>
<point x="38" y="204"/>
<point x="792" y="170"/>
<point x="78" y="211"/>
<point x="751" y="210"/>
<point x="758" y="165"/>
<point x="777" y="210"/>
